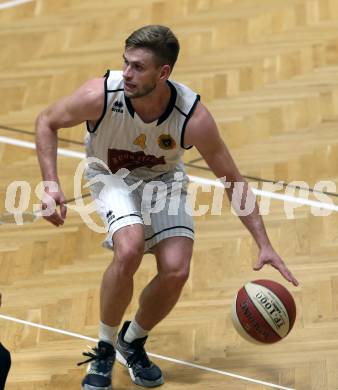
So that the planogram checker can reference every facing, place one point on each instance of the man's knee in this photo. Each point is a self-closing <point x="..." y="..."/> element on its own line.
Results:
<point x="129" y="250"/>
<point x="175" y="279"/>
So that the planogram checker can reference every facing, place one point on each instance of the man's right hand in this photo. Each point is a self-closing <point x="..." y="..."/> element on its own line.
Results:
<point x="49" y="202"/>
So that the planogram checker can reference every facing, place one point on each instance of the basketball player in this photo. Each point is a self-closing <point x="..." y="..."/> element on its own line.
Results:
<point x="140" y="120"/>
<point x="5" y="362"/>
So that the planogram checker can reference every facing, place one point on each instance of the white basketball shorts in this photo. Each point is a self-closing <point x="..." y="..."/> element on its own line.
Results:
<point x="159" y="204"/>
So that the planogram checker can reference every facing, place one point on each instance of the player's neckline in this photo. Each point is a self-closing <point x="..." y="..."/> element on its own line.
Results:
<point x="163" y="117"/>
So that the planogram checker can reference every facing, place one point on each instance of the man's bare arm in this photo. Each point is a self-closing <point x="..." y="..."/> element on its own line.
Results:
<point x="86" y="103"/>
<point x="202" y="132"/>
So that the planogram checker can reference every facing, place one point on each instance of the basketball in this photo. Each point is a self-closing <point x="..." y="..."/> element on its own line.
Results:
<point x="263" y="312"/>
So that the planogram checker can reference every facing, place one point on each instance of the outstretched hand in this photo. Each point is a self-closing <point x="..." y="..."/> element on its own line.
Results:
<point x="269" y="256"/>
<point x="49" y="201"/>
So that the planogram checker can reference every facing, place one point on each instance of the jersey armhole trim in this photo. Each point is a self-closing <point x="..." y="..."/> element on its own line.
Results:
<point x="106" y="76"/>
<point x="198" y="97"/>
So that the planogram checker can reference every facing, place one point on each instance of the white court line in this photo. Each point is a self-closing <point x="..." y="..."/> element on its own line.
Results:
<point x="182" y="362"/>
<point x="31" y="145"/>
<point x="70" y="153"/>
<point x="268" y="194"/>
<point x="14" y="3"/>
<point x="196" y="179"/>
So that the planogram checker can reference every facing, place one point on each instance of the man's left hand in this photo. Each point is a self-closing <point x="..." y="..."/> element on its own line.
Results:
<point x="269" y="256"/>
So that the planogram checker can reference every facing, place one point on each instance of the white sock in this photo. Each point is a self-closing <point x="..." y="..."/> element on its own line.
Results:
<point x="108" y="333"/>
<point x="134" y="332"/>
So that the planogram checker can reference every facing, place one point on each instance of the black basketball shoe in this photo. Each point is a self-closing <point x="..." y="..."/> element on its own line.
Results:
<point x="100" y="368"/>
<point x="132" y="355"/>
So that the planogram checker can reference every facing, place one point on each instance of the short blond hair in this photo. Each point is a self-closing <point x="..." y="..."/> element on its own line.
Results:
<point x="158" y="39"/>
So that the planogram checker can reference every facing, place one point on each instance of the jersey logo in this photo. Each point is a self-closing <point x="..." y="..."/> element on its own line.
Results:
<point x="141" y="141"/>
<point x="165" y="141"/>
<point x="118" y="159"/>
<point x="117" y="107"/>
<point x="110" y="216"/>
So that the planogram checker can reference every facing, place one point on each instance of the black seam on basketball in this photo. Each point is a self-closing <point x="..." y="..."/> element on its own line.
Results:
<point x="164" y="230"/>
<point x="265" y="321"/>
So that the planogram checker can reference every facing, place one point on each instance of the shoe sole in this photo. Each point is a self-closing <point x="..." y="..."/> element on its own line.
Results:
<point x="88" y="387"/>
<point x="137" y="380"/>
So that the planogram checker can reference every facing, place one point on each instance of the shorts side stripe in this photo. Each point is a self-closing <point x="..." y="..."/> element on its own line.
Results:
<point x="173" y="227"/>
<point x="124" y="216"/>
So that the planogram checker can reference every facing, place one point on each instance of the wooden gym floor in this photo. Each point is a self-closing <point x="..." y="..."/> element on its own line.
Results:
<point x="268" y="71"/>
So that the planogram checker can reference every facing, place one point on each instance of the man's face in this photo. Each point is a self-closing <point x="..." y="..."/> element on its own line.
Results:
<point x="140" y="72"/>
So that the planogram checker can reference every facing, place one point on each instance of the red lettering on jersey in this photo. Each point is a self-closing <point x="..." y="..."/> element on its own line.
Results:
<point x="118" y="159"/>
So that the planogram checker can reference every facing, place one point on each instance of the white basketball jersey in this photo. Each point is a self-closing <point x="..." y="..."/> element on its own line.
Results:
<point x="122" y="140"/>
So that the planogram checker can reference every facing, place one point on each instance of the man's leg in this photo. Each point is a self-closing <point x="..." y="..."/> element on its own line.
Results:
<point x="117" y="284"/>
<point x="173" y="257"/>
<point x="157" y="299"/>
<point x="116" y="293"/>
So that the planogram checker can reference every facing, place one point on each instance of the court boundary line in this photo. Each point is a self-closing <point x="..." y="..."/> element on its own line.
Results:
<point x="71" y="153"/>
<point x="272" y="195"/>
<point x="190" y="164"/>
<point x="14" y="3"/>
<point x="31" y="145"/>
<point x="268" y="194"/>
<point x="161" y="357"/>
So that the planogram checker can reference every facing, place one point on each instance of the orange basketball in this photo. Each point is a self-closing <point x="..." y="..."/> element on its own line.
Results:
<point x="263" y="311"/>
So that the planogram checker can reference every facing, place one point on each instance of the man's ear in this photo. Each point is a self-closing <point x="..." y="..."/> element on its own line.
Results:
<point x="165" y="72"/>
